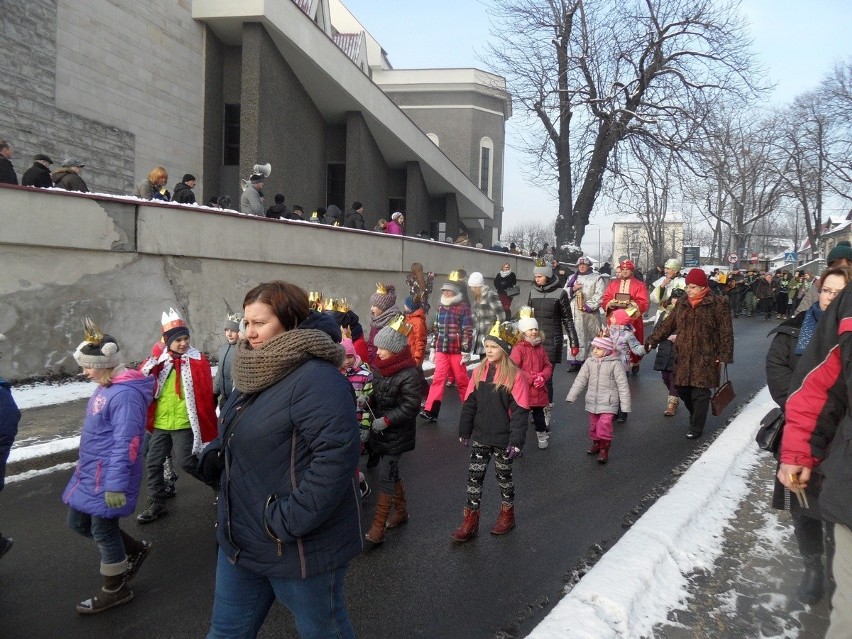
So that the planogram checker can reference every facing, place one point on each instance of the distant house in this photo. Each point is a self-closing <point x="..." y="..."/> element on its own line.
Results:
<point x="630" y="238"/>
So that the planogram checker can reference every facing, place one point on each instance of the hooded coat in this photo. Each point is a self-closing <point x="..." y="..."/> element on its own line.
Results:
<point x="183" y="194"/>
<point x="605" y="383"/>
<point x="68" y="179"/>
<point x="288" y="503"/>
<point x="552" y="308"/>
<point x="111" y="446"/>
<point x="533" y="361"/>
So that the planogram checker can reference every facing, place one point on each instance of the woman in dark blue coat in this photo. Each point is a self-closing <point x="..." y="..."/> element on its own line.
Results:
<point x="289" y="517"/>
<point x="9" y="418"/>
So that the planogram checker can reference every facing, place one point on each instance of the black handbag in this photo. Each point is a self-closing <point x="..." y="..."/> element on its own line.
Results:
<point x="513" y="291"/>
<point x="724" y="395"/>
<point x="771" y="427"/>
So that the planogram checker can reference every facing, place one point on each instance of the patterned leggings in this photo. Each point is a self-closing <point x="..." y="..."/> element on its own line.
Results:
<point x="480" y="456"/>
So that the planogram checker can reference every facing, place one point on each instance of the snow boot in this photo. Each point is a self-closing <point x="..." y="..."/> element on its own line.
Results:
<point x="506" y="520"/>
<point x="596" y="447"/>
<point x="603" y="454"/>
<point x="469" y="527"/>
<point x="671" y="406"/>
<point x="376" y="534"/>
<point x="153" y="512"/>
<point x="542" y="437"/>
<point x="113" y="593"/>
<point x="400" y="513"/>
<point x="811" y="589"/>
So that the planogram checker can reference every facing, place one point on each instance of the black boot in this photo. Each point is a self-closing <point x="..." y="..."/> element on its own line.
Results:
<point x="811" y="588"/>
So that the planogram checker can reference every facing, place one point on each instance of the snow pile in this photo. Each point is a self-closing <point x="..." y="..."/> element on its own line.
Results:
<point x="645" y="574"/>
<point x="36" y="395"/>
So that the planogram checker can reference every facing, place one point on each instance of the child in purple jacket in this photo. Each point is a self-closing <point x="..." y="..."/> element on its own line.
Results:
<point x="105" y="484"/>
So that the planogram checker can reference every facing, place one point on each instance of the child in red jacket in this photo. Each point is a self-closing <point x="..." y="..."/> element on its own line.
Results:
<point x="529" y="355"/>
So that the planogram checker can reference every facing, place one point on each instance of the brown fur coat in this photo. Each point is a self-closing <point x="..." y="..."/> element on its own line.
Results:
<point x="704" y="334"/>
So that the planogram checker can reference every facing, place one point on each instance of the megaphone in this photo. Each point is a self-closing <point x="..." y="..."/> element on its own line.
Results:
<point x="263" y="169"/>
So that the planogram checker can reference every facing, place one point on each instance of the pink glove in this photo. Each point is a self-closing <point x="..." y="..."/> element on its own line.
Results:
<point x="538" y="381"/>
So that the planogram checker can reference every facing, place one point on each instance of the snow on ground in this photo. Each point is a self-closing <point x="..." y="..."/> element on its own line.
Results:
<point x="36" y="395"/>
<point x="645" y="574"/>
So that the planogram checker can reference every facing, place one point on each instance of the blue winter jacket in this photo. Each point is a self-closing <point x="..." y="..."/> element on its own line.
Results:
<point x="111" y="446"/>
<point x="9" y="418"/>
<point x="288" y="500"/>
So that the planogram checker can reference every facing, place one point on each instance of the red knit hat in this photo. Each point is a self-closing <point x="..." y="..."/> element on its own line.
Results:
<point x="627" y="265"/>
<point x="697" y="277"/>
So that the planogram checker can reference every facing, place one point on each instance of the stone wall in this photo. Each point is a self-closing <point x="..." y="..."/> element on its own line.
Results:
<point x="123" y="263"/>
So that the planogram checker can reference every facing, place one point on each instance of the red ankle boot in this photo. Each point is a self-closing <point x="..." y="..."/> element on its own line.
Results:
<point x="469" y="527"/>
<point x="596" y="447"/>
<point x="604" y="451"/>
<point x="506" y="520"/>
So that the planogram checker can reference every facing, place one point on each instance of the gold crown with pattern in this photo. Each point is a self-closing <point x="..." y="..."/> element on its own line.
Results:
<point x="399" y="324"/>
<point x="539" y="261"/>
<point x="455" y="276"/>
<point x="506" y="332"/>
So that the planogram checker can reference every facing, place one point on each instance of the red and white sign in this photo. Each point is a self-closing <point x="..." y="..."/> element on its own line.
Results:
<point x="733" y="258"/>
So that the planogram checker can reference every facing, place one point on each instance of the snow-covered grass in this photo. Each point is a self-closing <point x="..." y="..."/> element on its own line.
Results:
<point x="645" y="574"/>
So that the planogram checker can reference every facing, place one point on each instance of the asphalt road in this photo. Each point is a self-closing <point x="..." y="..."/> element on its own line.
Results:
<point x="419" y="583"/>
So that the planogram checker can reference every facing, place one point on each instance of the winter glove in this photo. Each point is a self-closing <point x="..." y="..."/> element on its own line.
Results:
<point x="513" y="452"/>
<point x="575" y="350"/>
<point x="464" y="441"/>
<point x="465" y="358"/>
<point x="361" y="402"/>
<point x="648" y="346"/>
<point x="379" y="424"/>
<point x="538" y="381"/>
<point x="115" y="500"/>
<point x="365" y="435"/>
<point x="432" y="355"/>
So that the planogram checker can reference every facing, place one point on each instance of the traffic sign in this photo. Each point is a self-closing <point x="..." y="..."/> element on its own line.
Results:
<point x="733" y="258"/>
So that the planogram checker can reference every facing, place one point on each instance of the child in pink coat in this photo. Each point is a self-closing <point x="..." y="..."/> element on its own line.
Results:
<point x="529" y="355"/>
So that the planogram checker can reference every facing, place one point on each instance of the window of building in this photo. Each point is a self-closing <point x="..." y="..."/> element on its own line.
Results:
<point x="486" y="165"/>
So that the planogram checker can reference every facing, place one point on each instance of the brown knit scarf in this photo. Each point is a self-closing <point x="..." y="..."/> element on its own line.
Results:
<point x="254" y="370"/>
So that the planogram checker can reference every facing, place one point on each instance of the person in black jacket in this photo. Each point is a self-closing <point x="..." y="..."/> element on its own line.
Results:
<point x="397" y="385"/>
<point x="354" y="218"/>
<point x="39" y="173"/>
<point x="493" y="422"/>
<point x="183" y="190"/>
<point x="814" y="536"/>
<point x="7" y="170"/>
<point x="279" y="210"/>
<point x="285" y="460"/>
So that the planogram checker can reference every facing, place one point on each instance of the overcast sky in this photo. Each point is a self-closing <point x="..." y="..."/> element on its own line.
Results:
<point x="798" y="42"/>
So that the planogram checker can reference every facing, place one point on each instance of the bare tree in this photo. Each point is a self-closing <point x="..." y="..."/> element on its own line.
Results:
<point x="591" y="75"/>
<point x="530" y="236"/>
<point x="835" y="94"/>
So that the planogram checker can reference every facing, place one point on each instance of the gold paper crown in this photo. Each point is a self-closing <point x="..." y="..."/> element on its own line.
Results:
<point x="455" y="276"/>
<point x="506" y="332"/>
<point x="234" y="317"/>
<point x="341" y="305"/>
<point x="399" y="324"/>
<point x="381" y="289"/>
<point x="539" y="261"/>
<point x="327" y="304"/>
<point x="92" y="333"/>
<point x="526" y="312"/>
<point x="315" y="300"/>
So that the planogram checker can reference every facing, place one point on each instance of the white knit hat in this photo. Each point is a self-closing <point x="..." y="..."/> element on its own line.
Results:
<point x="476" y="280"/>
<point x="98" y="350"/>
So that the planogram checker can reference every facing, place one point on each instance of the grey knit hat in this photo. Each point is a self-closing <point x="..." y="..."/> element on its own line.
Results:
<point x="390" y="340"/>
<point x="97" y="350"/>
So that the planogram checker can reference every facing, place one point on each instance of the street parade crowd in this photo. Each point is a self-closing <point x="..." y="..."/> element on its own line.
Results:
<point x="306" y="398"/>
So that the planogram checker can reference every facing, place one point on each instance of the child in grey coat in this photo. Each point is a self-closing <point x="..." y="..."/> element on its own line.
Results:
<point x="605" y="382"/>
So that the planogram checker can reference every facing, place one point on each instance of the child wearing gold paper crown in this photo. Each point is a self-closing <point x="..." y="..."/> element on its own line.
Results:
<point x="493" y="422"/>
<point x="604" y="379"/>
<point x="529" y="355"/>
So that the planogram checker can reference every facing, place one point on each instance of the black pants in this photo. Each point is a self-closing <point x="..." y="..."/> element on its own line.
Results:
<point x="765" y="306"/>
<point x="178" y="443"/>
<point x="480" y="456"/>
<point x="697" y="402"/>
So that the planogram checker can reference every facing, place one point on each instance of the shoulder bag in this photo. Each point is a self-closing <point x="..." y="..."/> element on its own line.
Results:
<point x="771" y="427"/>
<point x="513" y="291"/>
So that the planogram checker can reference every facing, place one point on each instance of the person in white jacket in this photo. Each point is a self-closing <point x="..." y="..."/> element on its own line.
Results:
<point x="605" y="382"/>
<point x="665" y="292"/>
<point x="251" y="201"/>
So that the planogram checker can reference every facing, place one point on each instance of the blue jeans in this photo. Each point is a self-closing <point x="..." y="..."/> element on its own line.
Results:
<point x="104" y="531"/>
<point x="243" y="600"/>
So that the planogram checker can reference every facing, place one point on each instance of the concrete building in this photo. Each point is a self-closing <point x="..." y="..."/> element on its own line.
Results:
<point x="212" y="88"/>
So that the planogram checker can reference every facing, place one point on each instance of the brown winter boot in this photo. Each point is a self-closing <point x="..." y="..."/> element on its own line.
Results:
<point x="506" y="520"/>
<point x="596" y="446"/>
<point x="469" y="527"/>
<point x="113" y="593"/>
<point x="604" y="452"/>
<point x="376" y="534"/>
<point x="400" y="513"/>
<point x="671" y="406"/>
